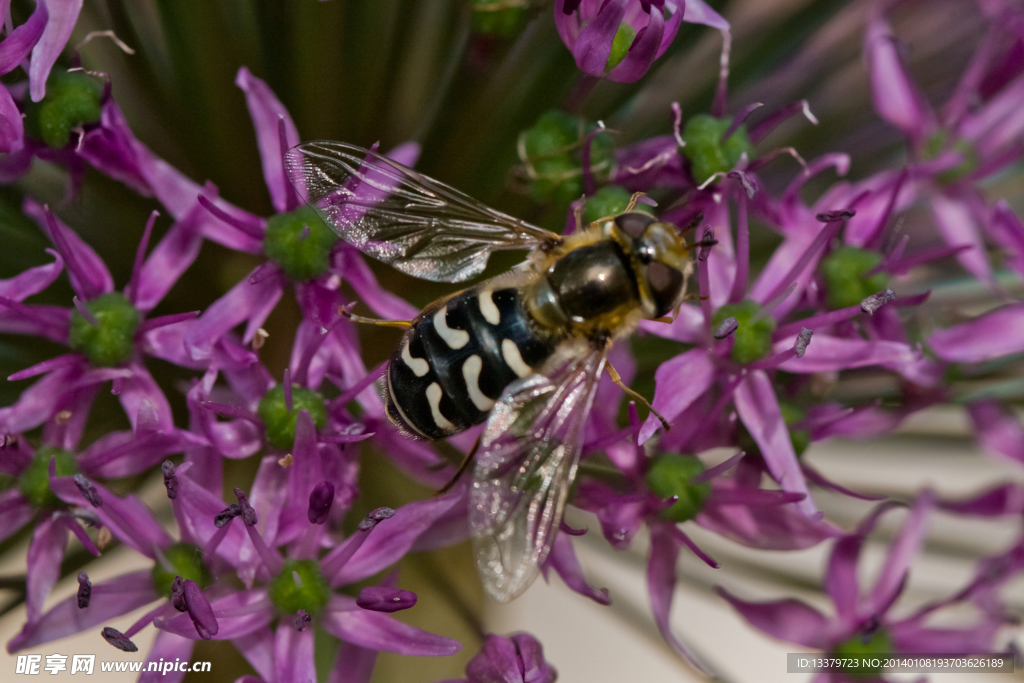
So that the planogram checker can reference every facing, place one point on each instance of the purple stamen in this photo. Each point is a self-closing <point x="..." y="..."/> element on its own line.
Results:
<point x="876" y="301"/>
<point x="818" y="321"/>
<point x="900" y="267"/>
<point x="336" y="559"/>
<point x="722" y="91"/>
<point x="84" y="590"/>
<point x="739" y="285"/>
<point x="165" y="320"/>
<point x="385" y="599"/>
<point x="761" y="130"/>
<point x="161" y="559"/>
<point x="738" y="120"/>
<point x="320" y="500"/>
<point x="728" y="326"/>
<point x="245" y="227"/>
<point x="766" y="309"/>
<point x="891" y="258"/>
<point x="45" y="366"/>
<point x="140" y="255"/>
<point x="200" y="611"/>
<point x="756" y="497"/>
<point x="712" y="472"/>
<point x="68" y="520"/>
<point x="677" y="124"/>
<point x="86" y="313"/>
<point x="147" y="619"/>
<point x="680" y="535"/>
<point x="170" y="479"/>
<point x="303" y="234"/>
<point x="565" y="528"/>
<point x="745" y="181"/>
<point x="271" y="559"/>
<point x="287" y="387"/>
<point x="226" y="515"/>
<point x="823" y="238"/>
<point x="835" y="216"/>
<point x="118" y="639"/>
<point x="357" y="388"/>
<point x="178" y="594"/>
<point x="88" y="491"/>
<point x="302" y="620"/>
<point x="877" y="232"/>
<point x="248" y="513"/>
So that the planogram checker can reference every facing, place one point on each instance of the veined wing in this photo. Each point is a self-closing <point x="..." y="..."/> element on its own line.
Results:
<point x="527" y="460"/>
<point x="406" y="219"/>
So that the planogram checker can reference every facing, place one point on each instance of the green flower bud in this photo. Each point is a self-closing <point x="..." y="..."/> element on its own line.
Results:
<point x="497" y="18"/>
<point x="280" y="422"/>
<point x="186" y="561"/>
<point x="621" y="43"/>
<point x="753" y="338"/>
<point x="302" y="254"/>
<point x="300" y="585"/>
<point x="791" y="414"/>
<point x="669" y="476"/>
<point x="34" y="482"/>
<point x="610" y="200"/>
<point x="706" y="151"/>
<point x="846" y="280"/>
<point x="72" y="99"/>
<point x="552" y="150"/>
<point x="857" y="647"/>
<point x="112" y="340"/>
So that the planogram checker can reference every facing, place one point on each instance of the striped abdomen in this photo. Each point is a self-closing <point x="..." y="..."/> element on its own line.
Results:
<point x="458" y="357"/>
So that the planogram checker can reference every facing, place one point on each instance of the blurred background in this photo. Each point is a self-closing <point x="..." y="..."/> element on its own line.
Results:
<point x="464" y="85"/>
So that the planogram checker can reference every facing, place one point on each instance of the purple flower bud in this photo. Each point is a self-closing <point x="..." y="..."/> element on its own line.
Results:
<point x="88" y="490"/>
<point x="118" y="639"/>
<point x="835" y="216"/>
<point x="248" y="513"/>
<point x="876" y="301"/>
<point x="170" y="479"/>
<point x="178" y="594"/>
<point x="385" y="599"/>
<point x="84" y="590"/>
<point x="200" y="611"/>
<point x="374" y="517"/>
<point x="302" y="620"/>
<point x="802" y="340"/>
<point x="320" y="500"/>
<point x="227" y="514"/>
<point x="727" y="327"/>
<point x="518" y="658"/>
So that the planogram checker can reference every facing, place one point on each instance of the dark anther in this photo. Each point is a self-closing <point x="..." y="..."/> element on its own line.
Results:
<point x="178" y="594"/>
<point x="118" y="639"/>
<point x="320" y="500"/>
<point x="302" y="620"/>
<point x="728" y="326"/>
<point x="747" y="185"/>
<point x="84" y="590"/>
<point x="374" y="517"/>
<point x="226" y="515"/>
<point x="248" y="514"/>
<point x="836" y="216"/>
<point x="88" y="490"/>
<point x="170" y="479"/>
<point x="802" y="340"/>
<point x="707" y="241"/>
<point x="876" y="301"/>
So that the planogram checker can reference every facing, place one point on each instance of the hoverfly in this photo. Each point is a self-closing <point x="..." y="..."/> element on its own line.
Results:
<point x="523" y="351"/>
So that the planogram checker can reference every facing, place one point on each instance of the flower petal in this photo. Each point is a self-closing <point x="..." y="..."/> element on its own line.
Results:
<point x="562" y="559"/>
<point x="896" y="99"/>
<point x="62" y="16"/>
<point x="169" y="260"/>
<point x="790" y="620"/>
<point x="379" y="631"/>
<point x="828" y="353"/>
<point x="33" y="280"/>
<point x="758" y="408"/>
<point x="594" y="43"/>
<point x="353" y="664"/>
<point x="293" y="653"/>
<point x="258" y="649"/>
<point x="678" y="383"/>
<point x="16" y="512"/>
<point x="228" y="627"/>
<point x="661" y="584"/>
<point x="22" y="39"/>
<point x="999" y="333"/>
<point x="45" y="553"/>
<point x="998" y="431"/>
<point x="88" y="274"/>
<point x="266" y="112"/>
<point x="955" y="222"/>
<point x="167" y="647"/>
<point x="12" y="127"/>
<point x="902" y="553"/>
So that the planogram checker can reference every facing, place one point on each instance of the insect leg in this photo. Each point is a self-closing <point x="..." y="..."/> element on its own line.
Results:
<point x="633" y="200"/>
<point x="402" y="324"/>
<point x="462" y="468"/>
<point x="618" y="380"/>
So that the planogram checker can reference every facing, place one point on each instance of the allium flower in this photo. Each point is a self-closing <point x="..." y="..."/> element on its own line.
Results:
<point x="620" y="39"/>
<point x="107" y="330"/>
<point x="863" y="623"/>
<point x="518" y="658"/>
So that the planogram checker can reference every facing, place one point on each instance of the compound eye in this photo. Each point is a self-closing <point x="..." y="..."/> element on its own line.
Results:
<point x="666" y="284"/>
<point x="634" y="224"/>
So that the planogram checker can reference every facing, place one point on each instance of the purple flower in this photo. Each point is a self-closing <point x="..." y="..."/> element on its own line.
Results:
<point x="620" y="39"/>
<point x="863" y="622"/>
<point x="518" y="658"/>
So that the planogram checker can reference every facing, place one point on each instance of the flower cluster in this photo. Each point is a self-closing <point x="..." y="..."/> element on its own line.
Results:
<point x="793" y="300"/>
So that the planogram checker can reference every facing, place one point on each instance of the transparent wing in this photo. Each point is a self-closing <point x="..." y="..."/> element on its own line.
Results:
<point x="527" y="461"/>
<point x="390" y="212"/>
